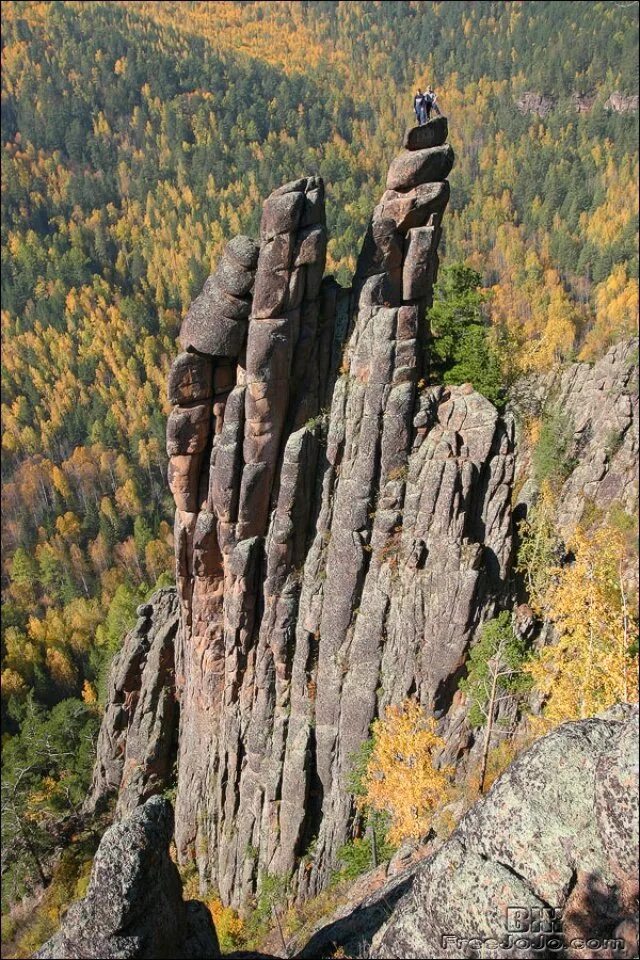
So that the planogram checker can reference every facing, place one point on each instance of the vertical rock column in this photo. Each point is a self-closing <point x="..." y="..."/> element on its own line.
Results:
<point x="201" y="379"/>
<point x="266" y="381"/>
<point x="364" y="546"/>
<point x="285" y="335"/>
<point x="320" y="583"/>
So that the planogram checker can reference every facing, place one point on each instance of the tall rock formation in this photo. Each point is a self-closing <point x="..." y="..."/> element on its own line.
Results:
<point x="329" y="561"/>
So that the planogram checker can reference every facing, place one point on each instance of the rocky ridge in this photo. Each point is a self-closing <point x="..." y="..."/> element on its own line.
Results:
<point x="533" y="102"/>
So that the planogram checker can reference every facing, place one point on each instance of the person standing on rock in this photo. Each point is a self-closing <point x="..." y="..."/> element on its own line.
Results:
<point x="430" y="103"/>
<point x="420" y="107"/>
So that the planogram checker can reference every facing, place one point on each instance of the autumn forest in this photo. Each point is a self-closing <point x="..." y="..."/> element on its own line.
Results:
<point x="136" y="141"/>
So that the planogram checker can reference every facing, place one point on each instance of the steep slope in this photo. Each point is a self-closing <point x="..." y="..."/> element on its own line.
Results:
<point x="528" y="872"/>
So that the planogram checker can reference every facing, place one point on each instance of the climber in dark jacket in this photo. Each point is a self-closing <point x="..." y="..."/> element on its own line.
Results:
<point x="419" y="106"/>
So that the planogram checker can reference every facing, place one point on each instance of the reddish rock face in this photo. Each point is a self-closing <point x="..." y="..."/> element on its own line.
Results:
<point x="341" y="527"/>
<point x="190" y="379"/>
<point x="308" y="539"/>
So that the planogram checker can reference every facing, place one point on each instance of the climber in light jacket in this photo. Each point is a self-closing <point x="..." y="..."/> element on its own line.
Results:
<point x="430" y="103"/>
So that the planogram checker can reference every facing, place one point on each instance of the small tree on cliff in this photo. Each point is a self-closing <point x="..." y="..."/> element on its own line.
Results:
<point x="462" y="351"/>
<point x="401" y="778"/>
<point x="494" y="674"/>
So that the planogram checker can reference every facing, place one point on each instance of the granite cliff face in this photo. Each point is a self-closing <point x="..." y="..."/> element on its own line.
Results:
<point x="599" y="403"/>
<point x="341" y="526"/>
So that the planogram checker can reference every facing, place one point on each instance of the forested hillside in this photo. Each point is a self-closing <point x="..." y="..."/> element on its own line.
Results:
<point x="138" y="137"/>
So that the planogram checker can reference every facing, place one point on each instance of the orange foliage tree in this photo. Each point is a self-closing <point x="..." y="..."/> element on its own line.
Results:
<point x="402" y="779"/>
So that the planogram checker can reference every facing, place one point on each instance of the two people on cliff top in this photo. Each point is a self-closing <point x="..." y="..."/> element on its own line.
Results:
<point x="424" y="104"/>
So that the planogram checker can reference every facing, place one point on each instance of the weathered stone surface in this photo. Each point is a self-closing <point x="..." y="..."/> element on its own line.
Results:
<point x="245" y="250"/>
<point x="188" y="429"/>
<point x="281" y="214"/>
<point x="414" y="167"/>
<point x="538" y="103"/>
<point x="621" y="103"/>
<point x="232" y="277"/>
<point x="433" y="133"/>
<point x="138" y="735"/>
<point x="190" y="378"/>
<point x="532" y="848"/>
<point x="417" y="268"/>
<point x="278" y="687"/>
<point x="184" y="481"/>
<point x="208" y="328"/>
<point x="134" y="906"/>
<point x="216" y="322"/>
<point x="413" y="208"/>
<point x="600" y="404"/>
<point x="224" y="603"/>
<point x="616" y="802"/>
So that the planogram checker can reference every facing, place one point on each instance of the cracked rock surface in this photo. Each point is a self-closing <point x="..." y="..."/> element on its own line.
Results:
<point x="134" y="907"/>
<point x="136" y="745"/>
<point x="552" y="832"/>
<point x="341" y="525"/>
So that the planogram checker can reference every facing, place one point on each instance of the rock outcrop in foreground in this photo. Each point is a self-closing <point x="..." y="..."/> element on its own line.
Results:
<point x="558" y="831"/>
<point x="545" y="863"/>
<point x="134" y="908"/>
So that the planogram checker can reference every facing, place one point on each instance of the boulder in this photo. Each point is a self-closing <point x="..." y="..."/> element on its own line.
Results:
<point x="414" y="167"/>
<point x="190" y="379"/>
<point x="216" y="321"/>
<point x="188" y="429"/>
<point x="413" y="208"/>
<point x="418" y="267"/>
<point x="539" y="841"/>
<point x="281" y="214"/>
<point x="433" y="133"/>
<point x="134" y="906"/>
